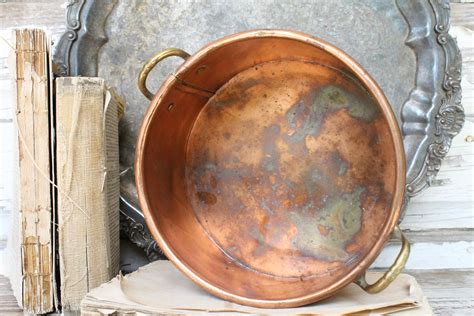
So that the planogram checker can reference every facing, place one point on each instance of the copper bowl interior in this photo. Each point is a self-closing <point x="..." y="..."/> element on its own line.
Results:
<point x="269" y="170"/>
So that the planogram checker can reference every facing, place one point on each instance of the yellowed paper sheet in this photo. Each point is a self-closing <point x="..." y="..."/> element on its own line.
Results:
<point x="159" y="288"/>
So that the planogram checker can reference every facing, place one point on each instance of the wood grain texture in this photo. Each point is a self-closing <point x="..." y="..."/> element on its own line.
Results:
<point x="8" y="304"/>
<point x="463" y="14"/>
<point x="449" y="292"/>
<point x="48" y="14"/>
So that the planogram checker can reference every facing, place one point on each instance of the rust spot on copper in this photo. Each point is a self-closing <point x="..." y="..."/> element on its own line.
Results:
<point x="323" y="230"/>
<point x="213" y="182"/>
<point x="206" y="197"/>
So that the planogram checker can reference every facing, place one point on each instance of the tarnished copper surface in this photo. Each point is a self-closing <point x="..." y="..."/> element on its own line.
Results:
<point x="287" y="169"/>
<point x="270" y="169"/>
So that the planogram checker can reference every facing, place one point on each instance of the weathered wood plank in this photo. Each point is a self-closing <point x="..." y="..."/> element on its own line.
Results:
<point x="8" y="303"/>
<point x="462" y="14"/>
<point x="438" y="236"/>
<point x="450" y="292"/>
<point x="49" y="14"/>
<point x="431" y="255"/>
<point x="443" y="214"/>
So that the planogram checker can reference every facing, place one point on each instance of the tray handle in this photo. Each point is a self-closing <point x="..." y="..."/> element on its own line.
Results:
<point x="152" y="63"/>
<point x="392" y="273"/>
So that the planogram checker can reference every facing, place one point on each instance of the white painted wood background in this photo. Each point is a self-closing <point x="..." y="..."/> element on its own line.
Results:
<point x="439" y="222"/>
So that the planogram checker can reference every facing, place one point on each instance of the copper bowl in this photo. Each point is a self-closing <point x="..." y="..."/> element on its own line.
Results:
<point x="270" y="169"/>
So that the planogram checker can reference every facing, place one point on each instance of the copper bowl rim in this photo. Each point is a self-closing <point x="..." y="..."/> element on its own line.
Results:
<point x="398" y="196"/>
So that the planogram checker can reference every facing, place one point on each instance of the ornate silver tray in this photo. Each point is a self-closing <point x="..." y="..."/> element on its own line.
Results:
<point x="404" y="45"/>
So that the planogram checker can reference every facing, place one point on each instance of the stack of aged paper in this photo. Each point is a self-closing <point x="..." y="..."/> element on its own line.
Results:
<point x="159" y="288"/>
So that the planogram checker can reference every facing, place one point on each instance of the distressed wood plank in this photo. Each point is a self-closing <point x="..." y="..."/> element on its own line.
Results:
<point x="430" y="255"/>
<point x="462" y="14"/>
<point x="8" y="303"/>
<point x="450" y="292"/>
<point x="441" y="215"/>
<point x="49" y="14"/>
<point x="437" y="236"/>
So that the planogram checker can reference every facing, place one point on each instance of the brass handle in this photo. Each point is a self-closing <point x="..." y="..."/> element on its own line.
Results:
<point x="152" y="63"/>
<point x="393" y="271"/>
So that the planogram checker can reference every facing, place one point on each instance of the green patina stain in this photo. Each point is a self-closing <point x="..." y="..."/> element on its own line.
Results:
<point x="333" y="98"/>
<point x="336" y="97"/>
<point x="260" y="239"/>
<point x="340" y="218"/>
<point x="342" y="169"/>
<point x="341" y="165"/>
<point x="306" y="120"/>
<point x="257" y="235"/>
